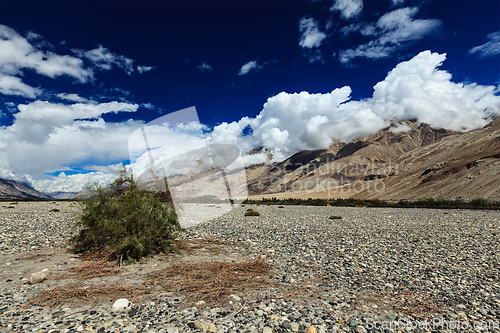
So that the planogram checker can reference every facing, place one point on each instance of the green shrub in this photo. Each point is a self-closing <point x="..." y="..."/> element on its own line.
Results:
<point x="335" y="217"/>
<point x="479" y="202"/>
<point x="281" y="207"/>
<point x="54" y="210"/>
<point x="252" y="213"/>
<point x="126" y="220"/>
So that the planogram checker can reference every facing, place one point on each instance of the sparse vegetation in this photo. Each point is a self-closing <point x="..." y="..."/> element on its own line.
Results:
<point x="127" y="221"/>
<point x="252" y="213"/>
<point x="55" y="210"/>
<point x="476" y="203"/>
<point x="335" y="217"/>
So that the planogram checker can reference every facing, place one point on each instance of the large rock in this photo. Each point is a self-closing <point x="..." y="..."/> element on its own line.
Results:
<point x="39" y="276"/>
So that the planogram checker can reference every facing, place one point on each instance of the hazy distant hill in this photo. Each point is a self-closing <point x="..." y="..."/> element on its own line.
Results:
<point x="10" y="189"/>
<point x="63" y="195"/>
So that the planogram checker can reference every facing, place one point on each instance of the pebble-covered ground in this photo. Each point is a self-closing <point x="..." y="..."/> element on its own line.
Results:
<point x="371" y="269"/>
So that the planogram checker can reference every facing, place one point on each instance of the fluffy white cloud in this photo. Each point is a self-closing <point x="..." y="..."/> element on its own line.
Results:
<point x="148" y="106"/>
<point x="414" y="89"/>
<point x="72" y="98"/>
<point x="16" y="54"/>
<point x="144" y="69"/>
<point x="72" y="183"/>
<point x="311" y="36"/>
<point x="489" y="49"/>
<point x="204" y="67"/>
<point x="246" y="68"/>
<point x="12" y="85"/>
<point x="348" y="8"/>
<point x="104" y="59"/>
<point x="392" y="32"/>
<point x="47" y="137"/>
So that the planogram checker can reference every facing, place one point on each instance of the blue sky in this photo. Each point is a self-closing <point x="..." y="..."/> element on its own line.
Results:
<point x="77" y="78"/>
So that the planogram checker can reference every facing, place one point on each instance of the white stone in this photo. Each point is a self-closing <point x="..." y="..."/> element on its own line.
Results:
<point x="39" y="276"/>
<point x="121" y="303"/>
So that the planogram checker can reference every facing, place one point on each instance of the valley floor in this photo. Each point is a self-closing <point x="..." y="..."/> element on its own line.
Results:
<point x="372" y="269"/>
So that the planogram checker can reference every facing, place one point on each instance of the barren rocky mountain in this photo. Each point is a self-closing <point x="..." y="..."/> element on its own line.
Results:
<point x="463" y="165"/>
<point x="342" y="164"/>
<point x="11" y="189"/>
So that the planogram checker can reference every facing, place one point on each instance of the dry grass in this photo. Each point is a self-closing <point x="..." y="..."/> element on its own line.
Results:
<point x="60" y="295"/>
<point x="211" y="281"/>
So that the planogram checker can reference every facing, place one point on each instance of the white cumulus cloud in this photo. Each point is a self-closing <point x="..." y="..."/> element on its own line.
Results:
<point x="48" y="137"/>
<point x="348" y="8"/>
<point x="414" y="89"/>
<point x="17" y="54"/>
<point x="311" y="36"/>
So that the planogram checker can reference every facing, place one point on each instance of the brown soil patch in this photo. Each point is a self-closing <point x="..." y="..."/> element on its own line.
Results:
<point x="208" y="270"/>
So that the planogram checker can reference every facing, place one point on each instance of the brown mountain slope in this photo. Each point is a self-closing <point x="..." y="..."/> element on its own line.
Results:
<point x="463" y="165"/>
<point x="326" y="170"/>
<point x="10" y="189"/>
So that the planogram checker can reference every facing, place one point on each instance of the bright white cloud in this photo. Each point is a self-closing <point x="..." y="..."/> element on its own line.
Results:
<point x="348" y="8"/>
<point x="414" y="89"/>
<point x="392" y="32"/>
<point x="144" y="69"/>
<point x="17" y="54"/>
<point x="311" y="36"/>
<point x="104" y="59"/>
<point x="72" y="98"/>
<point x="47" y="137"/>
<point x="148" y="106"/>
<point x="72" y="183"/>
<point x="489" y="49"/>
<point x="12" y="85"/>
<point x="246" y="68"/>
<point x="204" y="67"/>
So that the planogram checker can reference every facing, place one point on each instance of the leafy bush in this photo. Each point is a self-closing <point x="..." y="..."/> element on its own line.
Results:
<point x="54" y="210"/>
<point x="126" y="220"/>
<point x="335" y="217"/>
<point x="479" y="202"/>
<point x="252" y="213"/>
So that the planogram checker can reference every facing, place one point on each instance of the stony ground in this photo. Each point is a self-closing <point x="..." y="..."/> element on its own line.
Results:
<point x="369" y="270"/>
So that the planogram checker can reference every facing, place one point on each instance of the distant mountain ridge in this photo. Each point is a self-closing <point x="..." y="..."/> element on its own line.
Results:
<point x="10" y="189"/>
<point x="464" y="165"/>
<point x="366" y="157"/>
<point x="412" y="160"/>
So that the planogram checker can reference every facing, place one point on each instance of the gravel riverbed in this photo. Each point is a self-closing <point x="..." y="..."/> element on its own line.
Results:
<point x="372" y="269"/>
